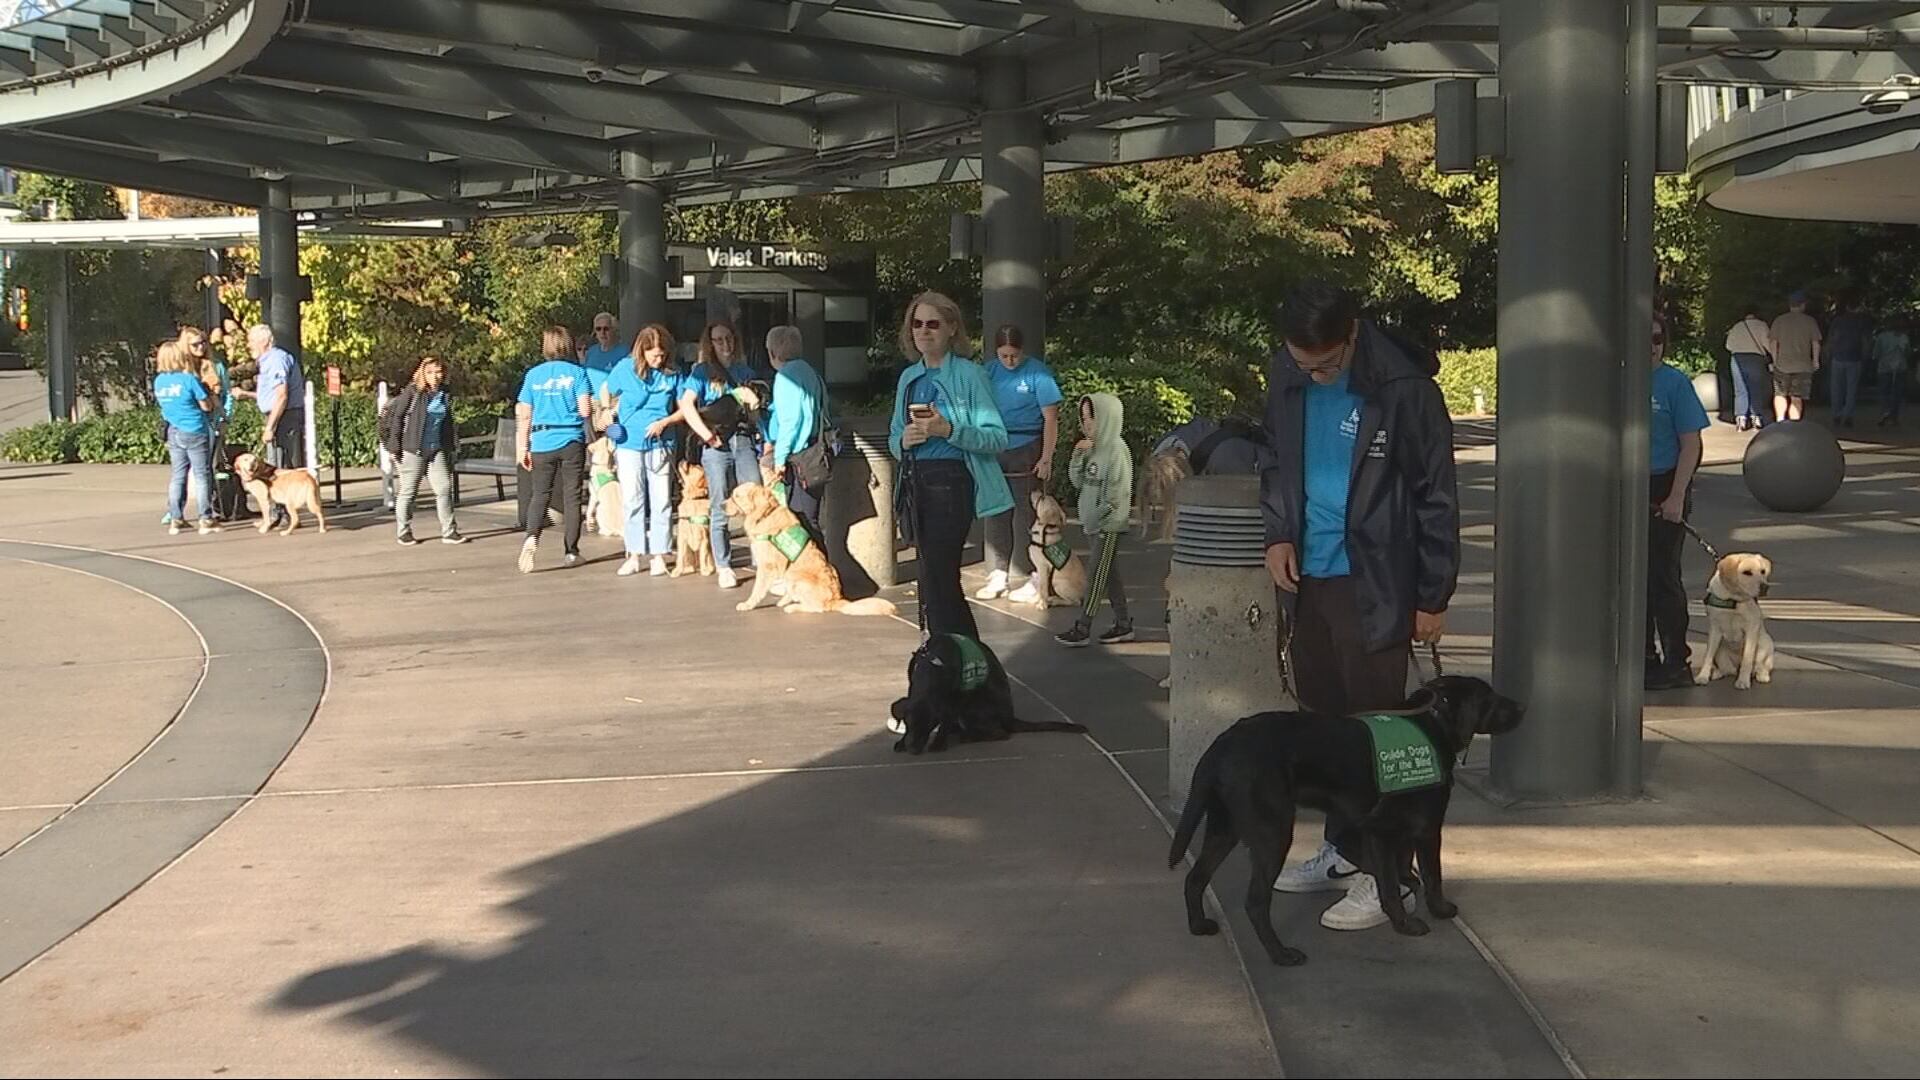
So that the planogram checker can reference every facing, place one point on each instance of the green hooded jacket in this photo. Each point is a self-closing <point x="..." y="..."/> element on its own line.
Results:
<point x="1104" y="473"/>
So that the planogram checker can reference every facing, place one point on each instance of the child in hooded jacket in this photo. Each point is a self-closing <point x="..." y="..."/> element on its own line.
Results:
<point x="1102" y="468"/>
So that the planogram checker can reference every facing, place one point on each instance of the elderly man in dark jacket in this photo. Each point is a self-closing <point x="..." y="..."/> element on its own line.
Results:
<point x="1363" y="532"/>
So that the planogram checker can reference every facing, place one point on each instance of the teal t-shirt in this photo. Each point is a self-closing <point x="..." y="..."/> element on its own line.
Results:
<point x="554" y="390"/>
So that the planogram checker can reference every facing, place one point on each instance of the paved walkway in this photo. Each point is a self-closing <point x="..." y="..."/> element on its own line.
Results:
<point x="555" y="824"/>
<point x="680" y="849"/>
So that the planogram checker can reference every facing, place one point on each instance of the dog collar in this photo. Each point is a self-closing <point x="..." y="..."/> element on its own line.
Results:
<point x="1722" y="603"/>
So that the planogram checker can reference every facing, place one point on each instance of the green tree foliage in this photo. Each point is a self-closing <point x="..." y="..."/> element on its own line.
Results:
<point x="120" y="302"/>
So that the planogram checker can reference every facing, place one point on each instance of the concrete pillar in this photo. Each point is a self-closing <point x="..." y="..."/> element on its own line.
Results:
<point x="1642" y="132"/>
<point x="856" y="514"/>
<point x="1563" y="74"/>
<point x="1013" y="208"/>
<point x="643" y="247"/>
<point x="63" y="389"/>
<point x="1223" y="620"/>
<point x="280" y="262"/>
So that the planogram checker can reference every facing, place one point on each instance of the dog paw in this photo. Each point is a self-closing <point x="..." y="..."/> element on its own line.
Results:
<point x="1763" y="677"/>
<point x="1442" y="909"/>
<point x="1743" y="684"/>
<point x="745" y="605"/>
<point x="1413" y="927"/>
<point x="1287" y="957"/>
<point x="1203" y="928"/>
<point x="1703" y="677"/>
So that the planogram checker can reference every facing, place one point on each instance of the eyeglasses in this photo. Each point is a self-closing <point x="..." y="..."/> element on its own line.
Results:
<point x="603" y="329"/>
<point x="926" y="324"/>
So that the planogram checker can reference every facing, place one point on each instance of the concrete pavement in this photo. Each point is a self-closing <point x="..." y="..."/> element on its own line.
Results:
<point x="569" y="823"/>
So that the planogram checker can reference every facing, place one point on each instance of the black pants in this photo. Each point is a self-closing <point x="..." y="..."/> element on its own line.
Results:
<point x="1335" y="673"/>
<point x="286" y="449"/>
<point x="560" y="469"/>
<point x="942" y="505"/>
<point x="805" y="505"/>
<point x="1666" y="586"/>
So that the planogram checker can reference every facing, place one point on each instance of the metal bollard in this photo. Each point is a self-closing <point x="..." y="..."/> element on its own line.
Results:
<point x="1223" y="620"/>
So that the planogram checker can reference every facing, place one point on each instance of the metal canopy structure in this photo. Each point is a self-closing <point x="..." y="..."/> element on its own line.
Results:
<point x="329" y="109"/>
<point x="470" y="107"/>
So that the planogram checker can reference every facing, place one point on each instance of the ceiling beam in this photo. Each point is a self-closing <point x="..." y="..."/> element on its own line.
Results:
<point x="382" y="71"/>
<point x="25" y="150"/>
<point x="783" y="59"/>
<point x="343" y="117"/>
<point x="208" y="142"/>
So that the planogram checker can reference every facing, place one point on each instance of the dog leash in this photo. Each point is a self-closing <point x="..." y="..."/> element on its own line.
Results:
<point x="1701" y="540"/>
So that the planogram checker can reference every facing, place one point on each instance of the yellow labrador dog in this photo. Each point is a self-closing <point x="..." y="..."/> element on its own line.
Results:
<point x="1059" y="574"/>
<point x="295" y="489"/>
<point x="1737" y="640"/>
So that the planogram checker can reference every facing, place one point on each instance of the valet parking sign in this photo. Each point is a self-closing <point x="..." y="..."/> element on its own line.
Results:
<point x="764" y="257"/>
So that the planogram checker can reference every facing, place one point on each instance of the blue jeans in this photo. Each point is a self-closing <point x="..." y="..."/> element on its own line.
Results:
<point x="190" y="451"/>
<point x="728" y="467"/>
<point x="1845" y="388"/>
<point x="645" y="488"/>
<point x="1752" y="387"/>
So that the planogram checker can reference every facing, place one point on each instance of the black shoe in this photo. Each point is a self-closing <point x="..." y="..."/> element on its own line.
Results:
<point x="453" y="538"/>
<point x="407" y="539"/>
<point x="1672" y="678"/>
<point x="1078" y="636"/>
<point x="1119" y="634"/>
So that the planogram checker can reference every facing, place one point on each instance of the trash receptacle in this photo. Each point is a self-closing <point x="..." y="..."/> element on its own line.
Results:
<point x="857" y="513"/>
<point x="1223" y="619"/>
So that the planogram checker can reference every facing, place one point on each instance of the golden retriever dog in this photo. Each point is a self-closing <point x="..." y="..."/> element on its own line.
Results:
<point x="294" y="489"/>
<point x="606" y="506"/>
<point x="1161" y="474"/>
<point x="1059" y="573"/>
<point x="692" y="529"/>
<point x="1737" y="640"/>
<point x="782" y="549"/>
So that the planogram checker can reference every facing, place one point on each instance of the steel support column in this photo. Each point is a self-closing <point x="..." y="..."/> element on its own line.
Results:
<point x="1013" y="208"/>
<point x="280" y="262"/>
<point x="63" y="389"/>
<point x="1562" y="72"/>
<point x="643" y="247"/>
<point x="1643" y="148"/>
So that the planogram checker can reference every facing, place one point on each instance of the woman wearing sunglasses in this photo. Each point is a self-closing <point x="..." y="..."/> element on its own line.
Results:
<point x="948" y="435"/>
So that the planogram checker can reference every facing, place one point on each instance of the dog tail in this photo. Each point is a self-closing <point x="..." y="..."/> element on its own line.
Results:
<point x="872" y="605"/>
<point x="1190" y="818"/>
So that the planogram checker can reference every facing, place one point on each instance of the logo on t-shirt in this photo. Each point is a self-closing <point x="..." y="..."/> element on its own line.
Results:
<point x="170" y="391"/>
<point x="1350" y="427"/>
<point x="560" y="383"/>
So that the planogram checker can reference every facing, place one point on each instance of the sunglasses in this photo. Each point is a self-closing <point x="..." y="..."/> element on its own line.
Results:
<point x="926" y="324"/>
<point x="603" y="329"/>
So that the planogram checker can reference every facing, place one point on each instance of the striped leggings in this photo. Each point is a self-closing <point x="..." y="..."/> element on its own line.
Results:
<point x="1105" y="583"/>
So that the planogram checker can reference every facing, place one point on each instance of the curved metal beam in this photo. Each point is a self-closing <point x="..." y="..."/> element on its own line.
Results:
<point x="147" y="73"/>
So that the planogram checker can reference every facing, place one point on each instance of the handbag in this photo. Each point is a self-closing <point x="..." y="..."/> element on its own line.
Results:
<point x="813" y="467"/>
<point x="161" y="430"/>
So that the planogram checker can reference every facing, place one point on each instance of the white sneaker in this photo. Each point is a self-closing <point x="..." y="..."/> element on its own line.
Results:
<point x="572" y="560"/>
<point x="1025" y="594"/>
<point x="727" y="578"/>
<point x="1325" y="872"/>
<point x="174" y="528"/>
<point x="208" y="527"/>
<point x="658" y="567"/>
<point x="1360" y="909"/>
<point x="995" y="588"/>
<point x="630" y="567"/>
<point x="526" y="554"/>
<point x="895" y="725"/>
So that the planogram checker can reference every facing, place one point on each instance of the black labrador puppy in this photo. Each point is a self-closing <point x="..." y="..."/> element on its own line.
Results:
<point x="958" y="692"/>
<point x="732" y="413"/>
<point x="1249" y="782"/>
